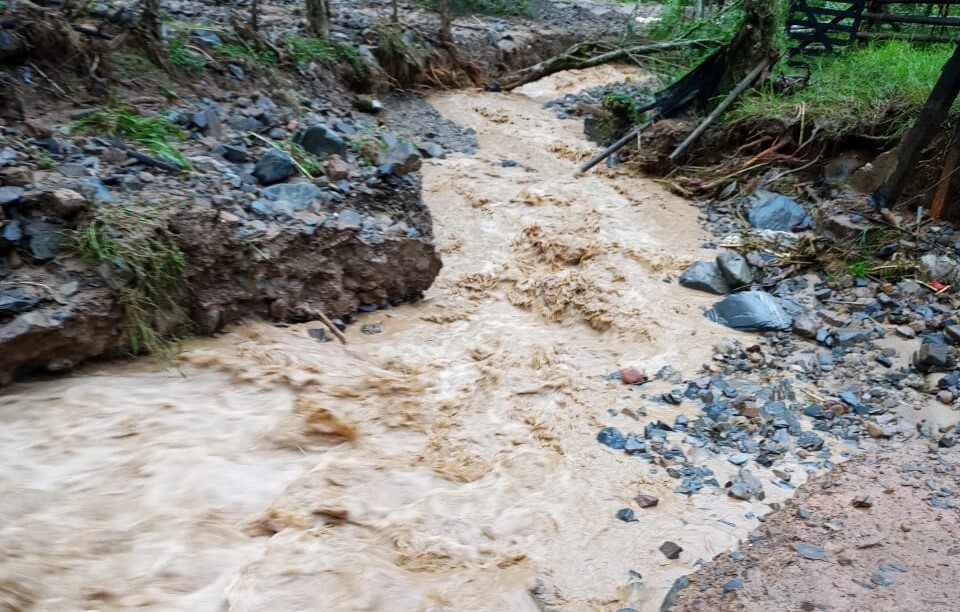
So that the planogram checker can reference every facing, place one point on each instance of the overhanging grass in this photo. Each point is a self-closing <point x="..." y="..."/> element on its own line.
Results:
<point x="142" y="256"/>
<point x="877" y="87"/>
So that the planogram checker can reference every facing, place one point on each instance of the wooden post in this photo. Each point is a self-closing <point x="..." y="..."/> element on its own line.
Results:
<point x="946" y="200"/>
<point x="932" y="116"/>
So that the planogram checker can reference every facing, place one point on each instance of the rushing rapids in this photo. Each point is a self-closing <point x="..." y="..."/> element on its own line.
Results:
<point x="448" y="462"/>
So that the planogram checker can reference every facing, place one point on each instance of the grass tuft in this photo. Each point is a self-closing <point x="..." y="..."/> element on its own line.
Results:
<point x="241" y="53"/>
<point x="146" y="268"/>
<point x="181" y="56"/>
<point x="153" y="133"/>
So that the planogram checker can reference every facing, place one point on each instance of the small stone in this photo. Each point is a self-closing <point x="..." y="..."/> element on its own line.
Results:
<point x="874" y="429"/>
<point x="746" y="486"/>
<point x="952" y="333"/>
<point x="906" y="331"/>
<point x="273" y="167"/>
<point x="808" y="440"/>
<point x="809" y="551"/>
<point x="945" y="397"/>
<point x="371" y="329"/>
<point x="883" y="360"/>
<point x="646" y="501"/>
<point x="739" y="458"/>
<point x="733" y="585"/>
<point x="17" y="176"/>
<point x="43" y="241"/>
<point x="10" y="194"/>
<point x="674" y="399"/>
<point x="626" y="515"/>
<point x="611" y="436"/>
<point x="632" y="376"/>
<point x="863" y="501"/>
<point x="881" y="579"/>
<point x="319" y="334"/>
<point x="15" y="301"/>
<point x="933" y="357"/>
<point x="670" y="550"/>
<point x="432" y="150"/>
<point x="401" y="157"/>
<point x="337" y="169"/>
<point x="237" y="154"/>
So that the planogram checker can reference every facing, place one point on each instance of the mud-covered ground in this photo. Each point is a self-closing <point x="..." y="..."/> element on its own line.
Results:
<point x="880" y="532"/>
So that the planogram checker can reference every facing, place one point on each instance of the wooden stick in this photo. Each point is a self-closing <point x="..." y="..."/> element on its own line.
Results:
<point x="333" y="328"/>
<point x="939" y="208"/>
<point x="615" y="146"/>
<point x="721" y="108"/>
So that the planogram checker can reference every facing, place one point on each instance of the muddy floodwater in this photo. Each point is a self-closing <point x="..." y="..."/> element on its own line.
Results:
<point x="448" y="463"/>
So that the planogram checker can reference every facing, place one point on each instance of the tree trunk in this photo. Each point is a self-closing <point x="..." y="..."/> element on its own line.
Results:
<point x="932" y="116"/>
<point x="151" y="18"/>
<point x="573" y="58"/>
<point x="445" y="35"/>
<point x="395" y="11"/>
<point x="255" y="15"/>
<point x="318" y="18"/>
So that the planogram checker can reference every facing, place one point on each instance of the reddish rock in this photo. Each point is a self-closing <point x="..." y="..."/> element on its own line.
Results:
<point x="632" y="376"/>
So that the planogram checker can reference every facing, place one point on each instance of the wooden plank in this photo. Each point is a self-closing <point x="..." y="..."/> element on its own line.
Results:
<point x="898" y="18"/>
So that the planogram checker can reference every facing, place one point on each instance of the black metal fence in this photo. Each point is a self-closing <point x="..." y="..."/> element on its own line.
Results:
<point x="820" y="27"/>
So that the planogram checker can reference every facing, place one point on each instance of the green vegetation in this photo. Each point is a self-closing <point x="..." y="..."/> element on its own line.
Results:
<point x="181" y="56"/>
<point x="152" y="133"/>
<point x="623" y="104"/>
<point x="308" y="164"/>
<point x="146" y="268"/>
<point x="241" y="53"/>
<point x="306" y="50"/>
<point x="859" y="269"/>
<point x="876" y="88"/>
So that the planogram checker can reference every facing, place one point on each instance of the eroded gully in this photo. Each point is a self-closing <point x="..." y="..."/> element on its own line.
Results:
<point x="447" y="463"/>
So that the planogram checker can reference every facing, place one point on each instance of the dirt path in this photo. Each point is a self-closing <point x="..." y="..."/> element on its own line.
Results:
<point x="888" y="526"/>
<point x="448" y="462"/>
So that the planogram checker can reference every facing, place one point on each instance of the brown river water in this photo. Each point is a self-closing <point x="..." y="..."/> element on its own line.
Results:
<point x="449" y="463"/>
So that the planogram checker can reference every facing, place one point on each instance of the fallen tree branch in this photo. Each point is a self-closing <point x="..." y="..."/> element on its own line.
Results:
<point x="721" y="108"/>
<point x="332" y="327"/>
<point x="596" y="159"/>
<point x="572" y="59"/>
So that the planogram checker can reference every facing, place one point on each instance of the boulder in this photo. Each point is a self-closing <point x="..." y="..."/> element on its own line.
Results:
<point x="750" y="311"/>
<point x="705" y="276"/>
<point x="773" y="211"/>
<point x="293" y="196"/>
<point x="401" y="157"/>
<point x="273" y="167"/>
<point x="321" y="141"/>
<point x="735" y="269"/>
